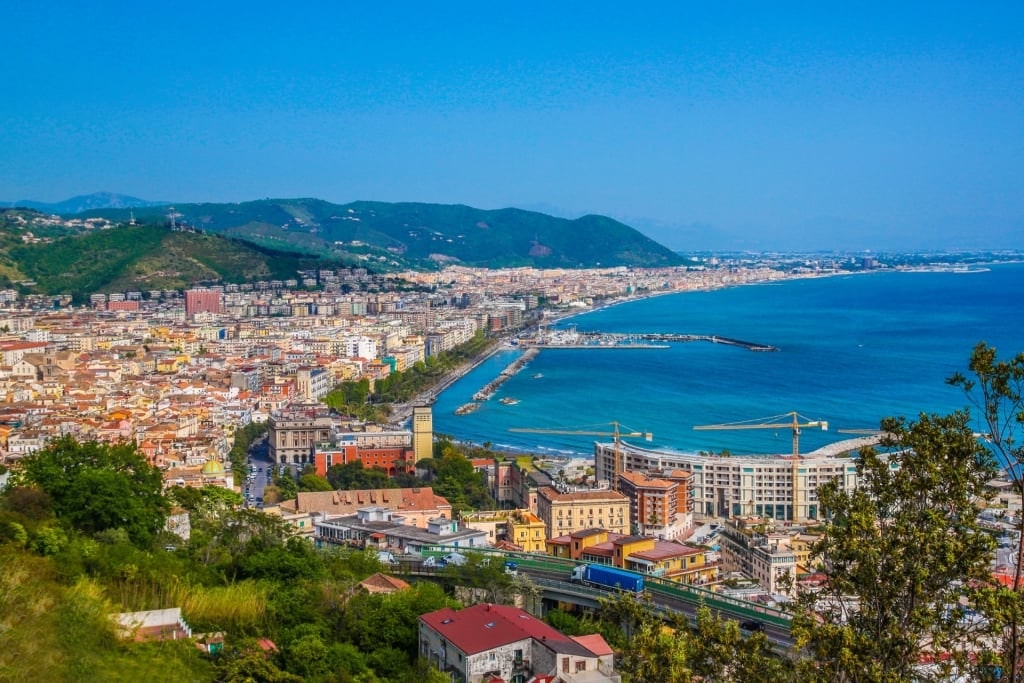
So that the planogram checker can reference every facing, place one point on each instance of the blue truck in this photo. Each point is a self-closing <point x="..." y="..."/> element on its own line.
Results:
<point x="608" y="577"/>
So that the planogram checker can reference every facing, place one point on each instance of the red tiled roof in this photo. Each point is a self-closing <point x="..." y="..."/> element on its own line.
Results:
<point x="382" y="583"/>
<point x="595" y="643"/>
<point x="484" y="627"/>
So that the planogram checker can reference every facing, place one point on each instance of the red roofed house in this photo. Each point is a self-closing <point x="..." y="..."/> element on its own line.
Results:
<point x="497" y="642"/>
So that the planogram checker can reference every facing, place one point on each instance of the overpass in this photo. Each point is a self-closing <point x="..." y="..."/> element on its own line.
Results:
<point x="551" y="576"/>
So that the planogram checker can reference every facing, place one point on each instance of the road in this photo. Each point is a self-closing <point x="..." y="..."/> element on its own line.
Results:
<point x="660" y="600"/>
<point x="258" y="476"/>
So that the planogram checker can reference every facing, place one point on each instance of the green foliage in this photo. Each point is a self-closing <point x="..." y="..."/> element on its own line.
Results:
<point x="670" y="649"/>
<point x="286" y="486"/>
<point x="314" y="482"/>
<point x="995" y="388"/>
<point x="903" y="551"/>
<point x="375" y="621"/>
<point x="96" y="486"/>
<point x="57" y="632"/>
<point x="454" y="478"/>
<point x="353" y="476"/>
<point x="147" y="257"/>
<point x="504" y="237"/>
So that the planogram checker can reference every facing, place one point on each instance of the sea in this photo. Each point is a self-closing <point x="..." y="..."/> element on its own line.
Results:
<point x="853" y="349"/>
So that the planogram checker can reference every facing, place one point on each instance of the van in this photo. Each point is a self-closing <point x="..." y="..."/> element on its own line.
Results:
<point x="456" y="559"/>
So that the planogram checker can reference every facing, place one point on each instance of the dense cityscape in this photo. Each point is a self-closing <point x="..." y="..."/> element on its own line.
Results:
<point x="294" y="398"/>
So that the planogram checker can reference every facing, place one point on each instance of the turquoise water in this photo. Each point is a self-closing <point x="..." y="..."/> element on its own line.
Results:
<point x="853" y="350"/>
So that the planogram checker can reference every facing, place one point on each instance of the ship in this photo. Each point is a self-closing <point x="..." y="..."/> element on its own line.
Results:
<point x="538" y="375"/>
<point x="509" y="401"/>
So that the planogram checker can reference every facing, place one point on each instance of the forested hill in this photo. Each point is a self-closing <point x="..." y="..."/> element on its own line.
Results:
<point x="125" y="258"/>
<point x="420" y="234"/>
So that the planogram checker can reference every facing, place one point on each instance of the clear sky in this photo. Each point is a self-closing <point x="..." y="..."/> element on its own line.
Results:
<point x="706" y="125"/>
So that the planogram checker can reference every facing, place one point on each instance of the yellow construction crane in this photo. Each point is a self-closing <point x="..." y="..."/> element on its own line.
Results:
<point x="776" y="422"/>
<point x="616" y="434"/>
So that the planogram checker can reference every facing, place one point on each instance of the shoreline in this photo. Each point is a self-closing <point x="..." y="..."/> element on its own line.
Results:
<point x="461" y="372"/>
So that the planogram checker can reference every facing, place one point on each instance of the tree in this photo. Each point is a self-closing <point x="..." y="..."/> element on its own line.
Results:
<point x="996" y="390"/>
<point x="903" y="552"/>
<point x="314" y="482"/>
<point x="353" y="476"/>
<point x="671" y="650"/>
<point x="96" y="486"/>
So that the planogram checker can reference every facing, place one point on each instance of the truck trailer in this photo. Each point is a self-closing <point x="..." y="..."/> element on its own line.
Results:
<point x="608" y="577"/>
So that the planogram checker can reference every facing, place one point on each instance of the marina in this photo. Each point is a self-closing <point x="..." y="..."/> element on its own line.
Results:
<point x="572" y="339"/>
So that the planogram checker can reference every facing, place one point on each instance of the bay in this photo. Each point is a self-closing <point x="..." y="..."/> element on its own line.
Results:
<point x="853" y="350"/>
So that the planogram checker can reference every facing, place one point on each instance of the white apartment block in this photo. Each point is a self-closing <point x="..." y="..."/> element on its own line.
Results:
<point x="733" y="486"/>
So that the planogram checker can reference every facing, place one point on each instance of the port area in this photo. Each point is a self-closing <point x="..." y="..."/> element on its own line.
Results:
<point x="640" y="340"/>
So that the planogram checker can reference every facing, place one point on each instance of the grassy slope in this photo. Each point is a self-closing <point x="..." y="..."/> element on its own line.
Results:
<point x="145" y="258"/>
<point x="56" y="632"/>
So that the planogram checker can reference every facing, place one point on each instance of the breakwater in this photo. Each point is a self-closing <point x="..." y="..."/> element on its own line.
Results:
<point x="515" y="366"/>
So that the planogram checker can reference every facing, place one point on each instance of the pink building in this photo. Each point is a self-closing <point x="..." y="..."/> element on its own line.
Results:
<point x="201" y="301"/>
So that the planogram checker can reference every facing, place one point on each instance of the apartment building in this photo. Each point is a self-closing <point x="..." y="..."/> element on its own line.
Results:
<point x="749" y="546"/>
<point x="655" y="505"/>
<point x="736" y="486"/>
<point x="564" y="513"/>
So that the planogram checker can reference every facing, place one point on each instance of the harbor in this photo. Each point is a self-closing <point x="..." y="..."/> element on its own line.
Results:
<point x="573" y="339"/>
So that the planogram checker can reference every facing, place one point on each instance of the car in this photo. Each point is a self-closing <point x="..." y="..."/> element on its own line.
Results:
<point x="259" y="469"/>
<point x="752" y="626"/>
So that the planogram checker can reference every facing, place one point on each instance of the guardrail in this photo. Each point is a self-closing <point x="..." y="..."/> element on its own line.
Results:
<point x="743" y="609"/>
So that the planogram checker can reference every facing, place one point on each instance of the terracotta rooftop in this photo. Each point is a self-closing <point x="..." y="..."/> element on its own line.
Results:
<point x="603" y="496"/>
<point x="348" y="502"/>
<point x="382" y="583"/>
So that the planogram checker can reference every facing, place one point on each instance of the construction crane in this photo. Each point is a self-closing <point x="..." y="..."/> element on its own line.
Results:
<point x="776" y="422"/>
<point x="617" y="434"/>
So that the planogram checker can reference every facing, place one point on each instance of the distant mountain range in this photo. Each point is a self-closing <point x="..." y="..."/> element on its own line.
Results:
<point x="85" y="202"/>
<point x="413" y="234"/>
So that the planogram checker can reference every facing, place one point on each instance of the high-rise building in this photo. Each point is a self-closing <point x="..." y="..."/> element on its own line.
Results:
<point x="202" y="301"/>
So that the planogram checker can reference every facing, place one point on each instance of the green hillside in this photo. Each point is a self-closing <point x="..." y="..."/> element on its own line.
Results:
<point x="141" y="258"/>
<point x="421" y="234"/>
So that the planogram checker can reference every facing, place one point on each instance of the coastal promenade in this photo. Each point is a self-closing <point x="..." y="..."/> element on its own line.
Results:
<point x="402" y="412"/>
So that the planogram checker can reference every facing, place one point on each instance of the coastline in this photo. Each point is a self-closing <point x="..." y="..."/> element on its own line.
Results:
<point x="431" y="395"/>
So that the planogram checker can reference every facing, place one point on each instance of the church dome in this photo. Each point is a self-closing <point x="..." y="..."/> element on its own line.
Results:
<point x="212" y="468"/>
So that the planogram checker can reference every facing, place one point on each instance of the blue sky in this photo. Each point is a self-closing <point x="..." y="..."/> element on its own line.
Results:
<point x="711" y="125"/>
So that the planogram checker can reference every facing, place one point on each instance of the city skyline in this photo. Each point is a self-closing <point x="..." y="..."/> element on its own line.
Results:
<point x="746" y="127"/>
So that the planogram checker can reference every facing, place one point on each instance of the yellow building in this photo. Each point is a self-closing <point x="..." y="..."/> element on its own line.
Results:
<point x="527" y="530"/>
<point x="564" y="513"/>
<point x="645" y="554"/>
<point x="521" y="527"/>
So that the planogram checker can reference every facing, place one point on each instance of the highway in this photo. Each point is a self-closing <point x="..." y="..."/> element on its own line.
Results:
<point x="551" y="576"/>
